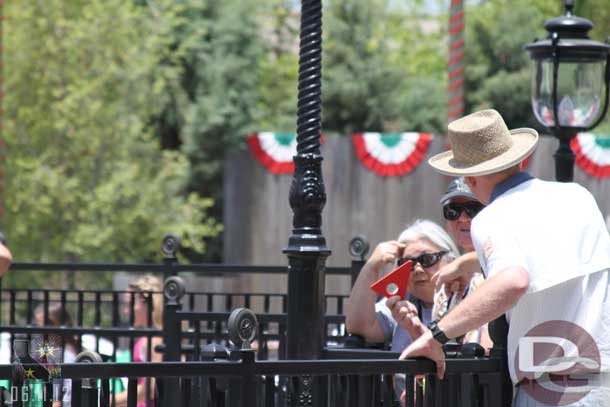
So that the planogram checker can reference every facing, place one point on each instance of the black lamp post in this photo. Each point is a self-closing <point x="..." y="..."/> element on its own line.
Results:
<point x="569" y="83"/>
<point x="307" y="250"/>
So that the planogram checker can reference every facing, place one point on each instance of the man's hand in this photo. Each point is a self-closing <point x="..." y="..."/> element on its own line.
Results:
<point x="456" y="276"/>
<point x="427" y="347"/>
<point x="405" y="314"/>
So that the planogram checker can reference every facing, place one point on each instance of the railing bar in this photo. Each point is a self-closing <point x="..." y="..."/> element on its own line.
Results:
<point x="13" y="295"/>
<point x="191" y="298"/>
<point x="132" y="392"/>
<point x="419" y="395"/>
<point x="105" y="393"/>
<point x="76" y="399"/>
<point x="98" y="315"/>
<point x="29" y="307"/>
<point x="185" y="385"/>
<point x="160" y="268"/>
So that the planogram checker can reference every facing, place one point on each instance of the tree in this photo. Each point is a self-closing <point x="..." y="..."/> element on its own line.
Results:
<point x="497" y="69"/>
<point x="378" y="60"/>
<point x="213" y="103"/>
<point x="86" y="179"/>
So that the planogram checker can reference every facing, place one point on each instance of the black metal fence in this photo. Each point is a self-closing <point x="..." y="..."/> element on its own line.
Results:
<point x="103" y="320"/>
<point x="233" y="377"/>
<point x="202" y="366"/>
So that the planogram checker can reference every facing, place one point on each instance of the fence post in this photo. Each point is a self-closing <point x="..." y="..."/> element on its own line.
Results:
<point x="498" y="331"/>
<point x="248" y="379"/>
<point x="173" y="290"/>
<point x="358" y="248"/>
<point x="169" y="247"/>
<point x="243" y="328"/>
<point x="89" y="389"/>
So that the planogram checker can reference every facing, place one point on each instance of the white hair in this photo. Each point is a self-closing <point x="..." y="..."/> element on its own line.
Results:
<point x="426" y="229"/>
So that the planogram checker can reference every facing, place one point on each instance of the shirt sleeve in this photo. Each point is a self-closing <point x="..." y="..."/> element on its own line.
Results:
<point x="502" y="251"/>
<point x="385" y="319"/>
<point x="497" y="248"/>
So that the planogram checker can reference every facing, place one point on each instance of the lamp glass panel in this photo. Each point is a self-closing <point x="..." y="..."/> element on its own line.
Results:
<point x="580" y="92"/>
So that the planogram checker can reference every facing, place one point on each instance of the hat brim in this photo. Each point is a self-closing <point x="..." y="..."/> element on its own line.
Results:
<point x="457" y="194"/>
<point x="524" y="143"/>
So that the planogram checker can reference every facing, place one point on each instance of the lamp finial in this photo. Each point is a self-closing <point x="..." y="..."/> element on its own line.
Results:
<point x="569" y="5"/>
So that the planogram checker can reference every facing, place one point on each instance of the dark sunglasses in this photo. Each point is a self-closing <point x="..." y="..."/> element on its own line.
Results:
<point x="426" y="260"/>
<point x="452" y="211"/>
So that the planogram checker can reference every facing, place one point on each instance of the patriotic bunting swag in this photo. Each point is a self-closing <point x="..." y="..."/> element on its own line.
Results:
<point x="391" y="155"/>
<point x="592" y="154"/>
<point x="274" y="150"/>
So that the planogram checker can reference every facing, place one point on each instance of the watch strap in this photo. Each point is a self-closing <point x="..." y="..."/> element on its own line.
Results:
<point x="437" y="333"/>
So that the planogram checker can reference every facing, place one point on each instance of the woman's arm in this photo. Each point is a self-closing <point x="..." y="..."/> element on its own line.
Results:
<point x="360" y="317"/>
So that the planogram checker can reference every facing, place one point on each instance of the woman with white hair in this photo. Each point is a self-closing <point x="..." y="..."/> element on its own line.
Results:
<point x="399" y="321"/>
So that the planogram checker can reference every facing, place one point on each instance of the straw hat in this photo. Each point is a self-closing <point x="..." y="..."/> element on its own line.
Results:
<point x="482" y="144"/>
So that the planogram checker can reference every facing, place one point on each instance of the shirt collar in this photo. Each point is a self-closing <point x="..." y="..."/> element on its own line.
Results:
<point x="508" y="183"/>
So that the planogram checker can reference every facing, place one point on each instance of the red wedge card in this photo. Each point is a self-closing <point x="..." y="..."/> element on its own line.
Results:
<point x="395" y="283"/>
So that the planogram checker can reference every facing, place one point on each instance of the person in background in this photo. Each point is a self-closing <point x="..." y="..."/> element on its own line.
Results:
<point x="460" y="206"/>
<point x="148" y="290"/>
<point x="396" y="321"/>
<point x="384" y="321"/>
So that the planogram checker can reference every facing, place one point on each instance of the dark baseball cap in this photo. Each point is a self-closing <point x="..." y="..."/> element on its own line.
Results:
<point x="457" y="188"/>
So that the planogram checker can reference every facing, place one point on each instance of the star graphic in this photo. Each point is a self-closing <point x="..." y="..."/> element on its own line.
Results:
<point x="46" y="350"/>
<point x="29" y="373"/>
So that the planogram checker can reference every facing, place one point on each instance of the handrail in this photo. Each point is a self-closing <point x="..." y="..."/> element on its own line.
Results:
<point x="159" y="268"/>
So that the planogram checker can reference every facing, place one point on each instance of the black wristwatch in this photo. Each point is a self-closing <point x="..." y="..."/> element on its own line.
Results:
<point x="437" y="333"/>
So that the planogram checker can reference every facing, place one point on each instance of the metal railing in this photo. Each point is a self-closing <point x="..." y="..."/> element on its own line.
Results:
<point x="201" y="366"/>
<point x="232" y="377"/>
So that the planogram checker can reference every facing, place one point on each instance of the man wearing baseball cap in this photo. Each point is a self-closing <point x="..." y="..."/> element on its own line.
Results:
<point x="545" y="252"/>
<point x="459" y="207"/>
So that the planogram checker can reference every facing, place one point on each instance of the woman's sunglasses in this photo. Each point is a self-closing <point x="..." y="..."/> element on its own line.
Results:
<point x="426" y="260"/>
<point x="452" y="211"/>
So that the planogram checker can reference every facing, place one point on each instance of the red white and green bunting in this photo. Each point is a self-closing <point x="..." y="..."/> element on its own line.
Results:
<point x="274" y="150"/>
<point x="592" y="154"/>
<point x="391" y="155"/>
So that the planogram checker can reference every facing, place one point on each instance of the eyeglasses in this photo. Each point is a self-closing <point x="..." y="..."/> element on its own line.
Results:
<point x="426" y="260"/>
<point x="452" y="211"/>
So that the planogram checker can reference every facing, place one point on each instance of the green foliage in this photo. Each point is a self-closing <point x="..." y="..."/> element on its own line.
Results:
<point x="93" y="87"/>
<point x="279" y="68"/>
<point x="86" y="180"/>
<point x="214" y="53"/>
<point x="377" y="63"/>
<point x="497" y="69"/>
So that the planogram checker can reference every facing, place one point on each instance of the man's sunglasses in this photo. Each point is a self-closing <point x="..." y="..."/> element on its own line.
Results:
<point x="426" y="260"/>
<point x="452" y="211"/>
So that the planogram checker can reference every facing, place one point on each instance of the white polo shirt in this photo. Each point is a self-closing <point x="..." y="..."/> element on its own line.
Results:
<point x="557" y="233"/>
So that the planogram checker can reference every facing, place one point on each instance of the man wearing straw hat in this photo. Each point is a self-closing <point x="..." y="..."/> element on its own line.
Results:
<point x="545" y="252"/>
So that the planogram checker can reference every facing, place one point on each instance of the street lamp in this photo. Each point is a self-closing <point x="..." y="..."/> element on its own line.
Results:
<point x="569" y="83"/>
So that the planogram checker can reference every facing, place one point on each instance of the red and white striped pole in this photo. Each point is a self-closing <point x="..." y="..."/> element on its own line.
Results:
<point x="455" y="104"/>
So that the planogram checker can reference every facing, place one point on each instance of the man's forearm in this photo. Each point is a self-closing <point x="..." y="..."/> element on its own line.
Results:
<point x="470" y="261"/>
<point x="493" y="298"/>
